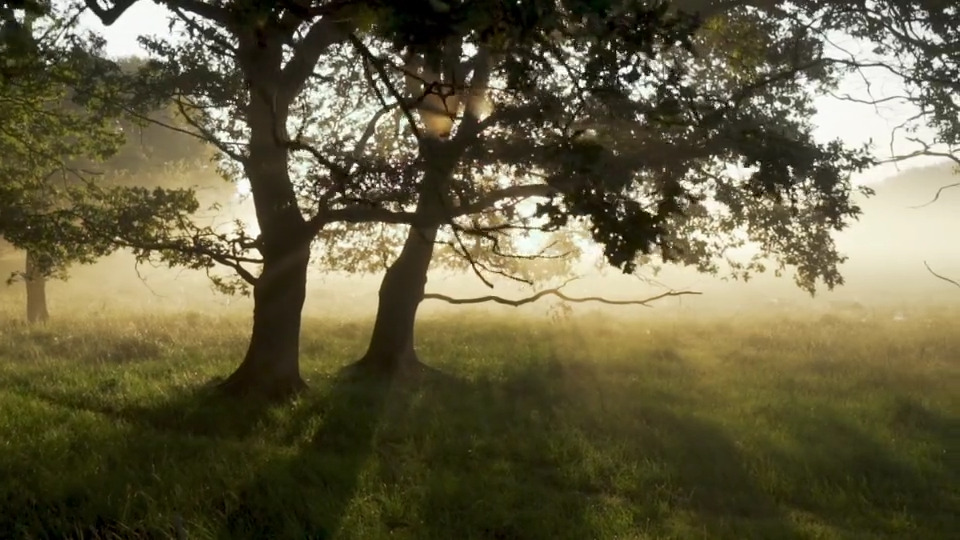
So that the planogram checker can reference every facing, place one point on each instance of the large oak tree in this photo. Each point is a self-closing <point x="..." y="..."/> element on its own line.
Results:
<point x="625" y="116"/>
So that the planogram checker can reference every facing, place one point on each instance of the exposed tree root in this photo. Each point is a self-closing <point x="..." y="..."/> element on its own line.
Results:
<point x="245" y="383"/>
<point x="403" y="367"/>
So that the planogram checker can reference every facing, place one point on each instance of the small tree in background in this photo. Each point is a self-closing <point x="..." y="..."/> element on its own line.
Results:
<point x="53" y="131"/>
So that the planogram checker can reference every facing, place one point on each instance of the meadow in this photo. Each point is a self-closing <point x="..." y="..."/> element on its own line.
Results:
<point x="790" y="426"/>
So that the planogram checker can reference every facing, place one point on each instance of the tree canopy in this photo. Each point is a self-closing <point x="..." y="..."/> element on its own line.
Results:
<point x="672" y="131"/>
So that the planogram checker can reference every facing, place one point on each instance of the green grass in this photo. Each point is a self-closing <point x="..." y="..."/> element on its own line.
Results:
<point x="764" y="428"/>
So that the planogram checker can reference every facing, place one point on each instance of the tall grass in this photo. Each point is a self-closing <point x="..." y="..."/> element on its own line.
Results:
<point x="774" y="428"/>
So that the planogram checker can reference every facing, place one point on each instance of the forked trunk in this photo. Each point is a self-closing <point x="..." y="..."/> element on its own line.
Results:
<point x="391" y="346"/>
<point x="36" y="284"/>
<point x="271" y="367"/>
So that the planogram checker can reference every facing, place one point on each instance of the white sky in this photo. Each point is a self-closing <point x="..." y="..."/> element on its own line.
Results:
<point x="854" y="123"/>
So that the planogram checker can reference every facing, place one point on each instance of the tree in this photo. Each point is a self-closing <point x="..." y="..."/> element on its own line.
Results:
<point x="624" y="116"/>
<point x="51" y="129"/>
<point x="147" y="157"/>
<point x="32" y="90"/>
<point x="238" y="78"/>
<point x="247" y="72"/>
<point x="621" y="115"/>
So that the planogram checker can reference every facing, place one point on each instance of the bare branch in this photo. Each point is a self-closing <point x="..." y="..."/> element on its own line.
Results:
<point x="927" y="150"/>
<point x="556" y="292"/>
<point x="368" y="133"/>
<point x="937" y="196"/>
<point x="470" y="258"/>
<point x="206" y="135"/>
<point x="944" y="278"/>
<point x="301" y="145"/>
<point x="203" y="135"/>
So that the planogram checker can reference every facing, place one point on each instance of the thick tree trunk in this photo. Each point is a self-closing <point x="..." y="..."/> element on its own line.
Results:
<point x="391" y="347"/>
<point x="36" y="285"/>
<point x="271" y="367"/>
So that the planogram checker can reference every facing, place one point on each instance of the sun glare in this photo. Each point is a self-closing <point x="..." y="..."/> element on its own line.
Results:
<point x="243" y="188"/>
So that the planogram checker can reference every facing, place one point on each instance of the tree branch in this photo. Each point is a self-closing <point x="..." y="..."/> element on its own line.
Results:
<point x="556" y="292"/>
<point x="211" y="34"/>
<point x="324" y="33"/>
<point x="471" y="126"/>
<point x="217" y="14"/>
<point x="108" y="16"/>
<point x="937" y="196"/>
<point x="470" y="259"/>
<point x="944" y="278"/>
<point x="368" y="56"/>
<point x="206" y="135"/>
<point x="368" y="133"/>
<point x="359" y="214"/>
<point x="512" y="192"/>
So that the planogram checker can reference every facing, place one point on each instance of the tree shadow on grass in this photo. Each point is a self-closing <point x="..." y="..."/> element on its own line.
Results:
<point x="330" y="464"/>
<point x="546" y="449"/>
<point x="525" y="454"/>
<point x="545" y="452"/>
<point x="388" y="458"/>
<point x="197" y="410"/>
<point x="860" y="480"/>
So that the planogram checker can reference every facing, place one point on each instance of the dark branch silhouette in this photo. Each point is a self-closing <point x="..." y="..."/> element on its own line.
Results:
<point x="944" y="278"/>
<point x="559" y="294"/>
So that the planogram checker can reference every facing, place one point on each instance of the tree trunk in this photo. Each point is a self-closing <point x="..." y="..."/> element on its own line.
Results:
<point x="391" y="347"/>
<point x="36" y="284"/>
<point x="271" y="367"/>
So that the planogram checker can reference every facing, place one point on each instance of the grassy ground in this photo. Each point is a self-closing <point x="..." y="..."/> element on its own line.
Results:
<point x="807" y="427"/>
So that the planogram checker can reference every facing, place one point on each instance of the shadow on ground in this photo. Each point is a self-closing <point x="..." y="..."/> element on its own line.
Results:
<point x="526" y="454"/>
<point x="548" y="449"/>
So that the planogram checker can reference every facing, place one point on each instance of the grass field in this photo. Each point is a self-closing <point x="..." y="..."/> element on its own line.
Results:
<point x="773" y="428"/>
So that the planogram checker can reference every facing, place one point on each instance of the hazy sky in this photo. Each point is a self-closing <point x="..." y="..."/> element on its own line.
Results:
<point x="854" y="123"/>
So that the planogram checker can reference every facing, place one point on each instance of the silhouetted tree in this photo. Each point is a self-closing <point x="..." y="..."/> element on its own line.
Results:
<point x="626" y="116"/>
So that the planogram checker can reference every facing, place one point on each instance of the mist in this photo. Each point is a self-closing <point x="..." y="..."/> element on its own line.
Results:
<point x="902" y="228"/>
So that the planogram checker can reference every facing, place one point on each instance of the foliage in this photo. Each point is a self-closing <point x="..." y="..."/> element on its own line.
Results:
<point x="655" y="132"/>
<point x="61" y="129"/>
<point x="158" y="138"/>
<point x="917" y="43"/>
<point x="635" y="140"/>
<point x="40" y="137"/>
<point x="592" y="429"/>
